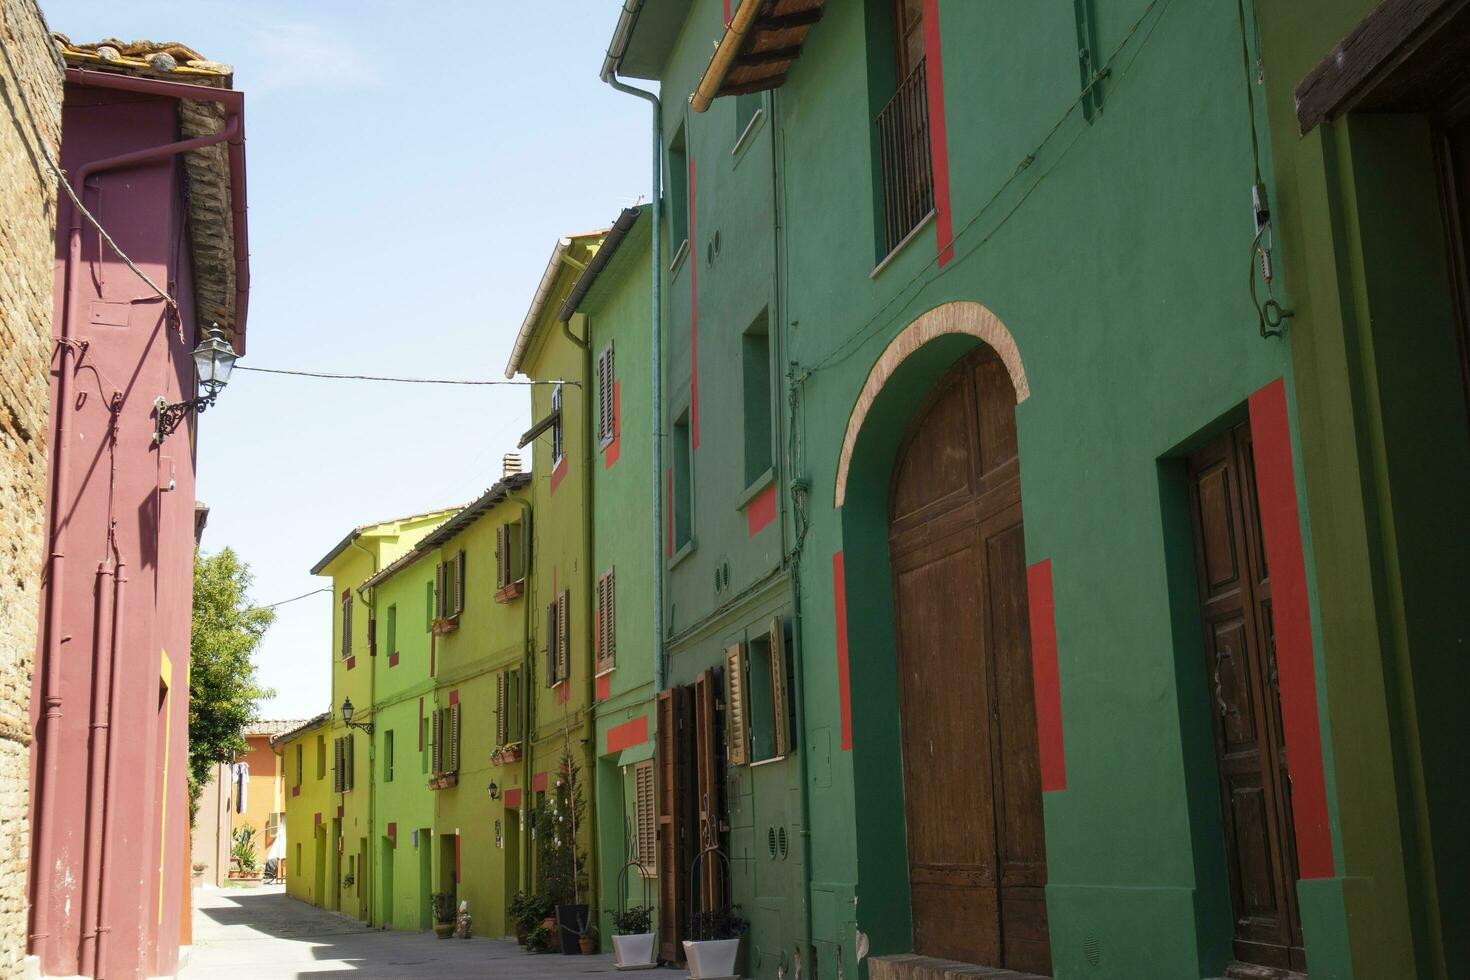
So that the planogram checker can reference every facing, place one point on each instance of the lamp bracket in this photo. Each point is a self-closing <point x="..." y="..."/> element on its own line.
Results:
<point x="170" y="414"/>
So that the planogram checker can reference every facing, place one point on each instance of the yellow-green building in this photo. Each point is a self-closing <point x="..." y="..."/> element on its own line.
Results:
<point x="308" y="792"/>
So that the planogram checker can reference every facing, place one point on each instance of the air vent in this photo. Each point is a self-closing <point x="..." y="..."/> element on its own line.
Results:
<point x="771" y="841"/>
<point x="510" y="464"/>
<point x="781" y="843"/>
<point x="1092" y="949"/>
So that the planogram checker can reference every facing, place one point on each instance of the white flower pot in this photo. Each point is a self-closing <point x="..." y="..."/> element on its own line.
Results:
<point x="711" y="958"/>
<point x="634" y="950"/>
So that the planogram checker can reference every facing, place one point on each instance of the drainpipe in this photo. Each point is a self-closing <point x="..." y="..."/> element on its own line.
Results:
<point x="233" y="134"/>
<point x="589" y="516"/>
<point x="610" y="65"/>
<point x="527" y="688"/>
<point x="105" y="911"/>
<point x="371" y="605"/>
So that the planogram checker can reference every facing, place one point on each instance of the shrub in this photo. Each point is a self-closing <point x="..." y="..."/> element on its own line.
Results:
<point x="723" y="923"/>
<point x="633" y="921"/>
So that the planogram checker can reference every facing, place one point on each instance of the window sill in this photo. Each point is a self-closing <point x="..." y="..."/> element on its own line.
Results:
<point x="604" y="671"/>
<point x="511" y="592"/>
<point x="766" y="762"/>
<point x="747" y="134"/>
<point x="446" y="625"/>
<point x="887" y="259"/>
<point x="756" y="488"/>
<point x="684" y="552"/>
<point x="680" y="254"/>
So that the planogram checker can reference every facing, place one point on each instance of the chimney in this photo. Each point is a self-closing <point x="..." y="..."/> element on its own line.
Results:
<point x="510" y="464"/>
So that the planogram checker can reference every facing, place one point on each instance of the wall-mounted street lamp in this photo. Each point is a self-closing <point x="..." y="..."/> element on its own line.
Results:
<point x="347" y="717"/>
<point x="214" y="359"/>
<point x="494" y="790"/>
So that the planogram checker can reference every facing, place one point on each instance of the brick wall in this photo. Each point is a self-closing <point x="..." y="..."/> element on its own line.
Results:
<point x="28" y="217"/>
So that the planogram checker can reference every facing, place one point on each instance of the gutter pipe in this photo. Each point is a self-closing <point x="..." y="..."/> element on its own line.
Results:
<point x="528" y="655"/>
<point x="724" y="57"/>
<point x="233" y="133"/>
<point x="616" y="50"/>
<point x="372" y="668"/>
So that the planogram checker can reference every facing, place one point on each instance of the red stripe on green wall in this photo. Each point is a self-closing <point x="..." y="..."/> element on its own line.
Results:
<point x="604" y="687"/>
<point x="839" y="609"/>
<point x="628" y="734"/>
<point x="539" y="782"/>
<point x="454" y="696"/>
<point x="1046" y="677"/>
<point x="557" y="473"/>
<point x="761" y="511"/>
<point x="938" y="138"/>
<point x="614" y="448"/>
<point x="693" y="318"/>
<point x="1297" y="672"/>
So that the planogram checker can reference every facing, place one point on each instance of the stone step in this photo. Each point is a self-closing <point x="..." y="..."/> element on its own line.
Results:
<point x="911" y="966"/>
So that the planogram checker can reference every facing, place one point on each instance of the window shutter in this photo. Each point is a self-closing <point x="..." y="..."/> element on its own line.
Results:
<point x="336" y="765"/>
<point x="562" y="644"/>
<point x="346" y="623"/>
<point x="709" y="781"/>
<point x="605" y="421"/>
<point x="645" y="829"/>
<point x="351" y="758"/>
<point x="737" y="731"/>
<point x="675" y="802"/>
<point x="501" y="706"/>
<point x="436" y="751"/>
<point x="551" y="657"/>
<point x="459" y="582"/>
<point x="610" y="650"/>
<point x="439" y="591"/>
<point x="780" y="715"/>
<point x="453" y="739"/>
<point x="502" y="555"/>
<point x="372" y="636"/>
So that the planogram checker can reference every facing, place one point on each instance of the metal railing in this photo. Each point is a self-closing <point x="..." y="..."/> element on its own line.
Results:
<point x="908" y="177"/>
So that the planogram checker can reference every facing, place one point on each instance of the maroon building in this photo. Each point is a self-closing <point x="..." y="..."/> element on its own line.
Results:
<point x="153" y="145"/>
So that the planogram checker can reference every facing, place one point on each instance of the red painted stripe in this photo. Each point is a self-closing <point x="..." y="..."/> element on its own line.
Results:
<point x="393" y="830"/>
<point x="351" y="662"/>
<point x="669" y="514"/>
<point x="564" y="689"/>
<point x="339" y="811"/>
<point x="538" y="782"/>
<point x="1297" y="672"/>
<point x="839" y="608"/>
<point x="1046" y="677"/>
<point x="727" y="13"/>
<point x="693" y="317"/>
<point x="392" y="660"/>
<point x="513" y="797"/>
<point x="604" y="687"/>
<point x="454" y="696"/>
<point x="628" y="734"/>
<point x="558" y="472"/>
<point x="614" y="448"/>
<point x="938" y="139"/>
<point x="316" y="819"/>
<point x="760" y="511"/>
<point x="421" y="724"/>
<point x="295" y="790"/>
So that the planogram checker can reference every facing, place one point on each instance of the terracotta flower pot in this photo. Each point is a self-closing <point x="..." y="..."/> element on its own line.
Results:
<point x="588" y="946"/>
<point x="444" y="929"/>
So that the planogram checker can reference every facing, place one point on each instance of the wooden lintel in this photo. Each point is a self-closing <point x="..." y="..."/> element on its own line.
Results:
<point x="753" y="59"/>
<point x="785" y="22"/>
<point x="759" y="85"/>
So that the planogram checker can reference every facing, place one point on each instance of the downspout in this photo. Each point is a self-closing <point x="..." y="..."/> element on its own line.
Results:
<point x="609" y="75"/>
<point x="528" y="656"/>
<point x="589" y="515"/>
<point x="104" y="914"/>
<point x="372" y="744"/>
<point x="232" y="133"/>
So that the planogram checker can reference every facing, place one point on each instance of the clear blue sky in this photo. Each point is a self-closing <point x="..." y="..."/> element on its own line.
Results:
<point x="410" y="169"/>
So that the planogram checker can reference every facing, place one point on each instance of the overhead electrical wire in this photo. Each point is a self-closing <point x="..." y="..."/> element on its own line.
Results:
<point x="407" y="381"/>
<point x="304" y="595"/>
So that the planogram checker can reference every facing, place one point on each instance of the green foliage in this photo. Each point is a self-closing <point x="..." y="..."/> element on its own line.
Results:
<point x="633" y="921"/>
<point x="541" y="940"/>
<point x="223" y="693"/>
<point x="724" y="923"/>
<point x="243" y="850"/>
<point x="442" y="905"/>
<point x="529" y="910"/>
<point x="558" y="822"/>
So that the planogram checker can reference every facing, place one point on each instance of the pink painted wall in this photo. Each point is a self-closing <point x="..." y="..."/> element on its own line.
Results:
<point x="131" y="352"/>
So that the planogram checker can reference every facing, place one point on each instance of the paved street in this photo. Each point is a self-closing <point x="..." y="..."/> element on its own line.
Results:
<point x="263" y="933"/>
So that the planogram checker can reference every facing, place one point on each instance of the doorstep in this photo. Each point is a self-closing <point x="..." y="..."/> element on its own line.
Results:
<point x="911" y="966"/>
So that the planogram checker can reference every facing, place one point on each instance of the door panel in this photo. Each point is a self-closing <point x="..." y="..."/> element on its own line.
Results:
<point x="972" y="774"/>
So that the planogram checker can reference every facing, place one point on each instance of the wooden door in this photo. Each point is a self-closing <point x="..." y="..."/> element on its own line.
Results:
<point x="676" y="823"/>
<point x="972" y="774"/>
<point x="1454" y="148"/>
<point x="1255" y="787"/>
<point x="710" y="785"/>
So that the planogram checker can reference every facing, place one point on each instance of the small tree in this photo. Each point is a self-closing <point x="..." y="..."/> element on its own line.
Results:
<point x="223" y="693"/>
<point x="561" y="865"/>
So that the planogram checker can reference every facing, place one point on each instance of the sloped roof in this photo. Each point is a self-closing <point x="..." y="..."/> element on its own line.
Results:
<point x="543" y="294"/>
<point x="273" y="727"/>
<point x="301" y="728"/>
<point x="362" y="529"/>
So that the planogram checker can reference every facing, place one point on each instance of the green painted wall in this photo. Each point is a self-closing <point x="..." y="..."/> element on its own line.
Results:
<point x="1374" y="356"/>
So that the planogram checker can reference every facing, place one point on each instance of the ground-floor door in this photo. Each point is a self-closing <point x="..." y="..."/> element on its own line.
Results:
<point x="426" y="877"/>
<point x="319" y="869"/>
<point x="385" y="917"/>
<point x="1250" y="749"/>
<point x="972" y="772"/>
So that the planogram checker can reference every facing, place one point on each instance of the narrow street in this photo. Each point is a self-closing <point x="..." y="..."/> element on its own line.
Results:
<point x="262" y="932"/>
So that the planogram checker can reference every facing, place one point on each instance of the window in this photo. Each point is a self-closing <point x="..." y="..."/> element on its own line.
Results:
<point x="683" y="483"/>
<point x="557" y="639"/>
<point x="296" y="866"/>
<point x="746" y="108"/>
<point x="346" y="623"/>
<point x="510" y="565"/>
<point x="426" y="744"/>
<point x="606" y="409"/>
<point x="321" y="757"/>
<point x="607" y="635"/>
<point x="645" y="819"/>
<point x="446" y="739"/>
<point x="388" y="756"/>
<point x="758" y="725"/>
<point x="677" y="191"/>
<point x="756" y="359"/>
<point x="392" y="628"/>
<point x="508" y="708"/>
<point x="450" y="587"/>
<point x="342" y="768"/>
<point x="558" y="446"/>
<point x="905" y="180"/>
<point x="300" y="764"/>
<point x="429" y="596"/>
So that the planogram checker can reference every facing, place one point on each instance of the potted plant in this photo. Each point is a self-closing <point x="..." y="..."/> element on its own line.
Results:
<point x="561" y="864"/>
<point x="587" y="941"/>
<point x="716" y="943"/>
<point x="528" y="911"/>
<point x="541" y="939"/>
<point x="442" y="905"/>
<point x="242" y="853"/>
<point x="633" y="938"/>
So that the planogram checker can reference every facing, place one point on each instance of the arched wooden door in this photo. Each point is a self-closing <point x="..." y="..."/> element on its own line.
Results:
<point x="972" y="776"/>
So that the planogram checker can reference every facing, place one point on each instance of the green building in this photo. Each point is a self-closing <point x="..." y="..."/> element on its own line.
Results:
<point x="1368" y="117"/>
<point x="993" y="607"/>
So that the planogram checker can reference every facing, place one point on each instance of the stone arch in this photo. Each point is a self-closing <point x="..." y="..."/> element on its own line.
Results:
<point x="959" y="317"/>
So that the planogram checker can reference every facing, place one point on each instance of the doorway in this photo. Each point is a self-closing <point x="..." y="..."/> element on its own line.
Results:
<point x="319" y="860"/>
<point x="971" y="769"/>
<point x="385" y="916"/>
<point x="1250" y="749"/>
<point x="424" y="843"/>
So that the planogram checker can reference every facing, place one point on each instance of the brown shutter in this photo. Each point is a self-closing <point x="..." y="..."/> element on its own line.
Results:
<point x="645" y="823"/>
<point x="372" y="636"/>
<point x="336" y="765"/>
<point x="675" y="821"/>
<point x="459" y="582"/>
<point x="346" y="623"/>
<point x="502" y="556"/>
<point x="737" y="731"/>
<point x="551" y="657"/>
<point x="610" y="621"/>
<point x="436" y="749"/>
<point x="453" y="739"/>
<point x="439" y="591"/>
<point x="710" y="811"/>
<point x="351" y="757"/>
<point x="501" y="707"/>
<point x="780" y="709"/>
<point x="562" y="635"/>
